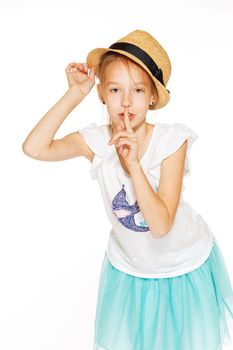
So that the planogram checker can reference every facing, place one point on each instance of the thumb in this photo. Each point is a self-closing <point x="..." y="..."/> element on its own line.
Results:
<point x="92" y="73"/>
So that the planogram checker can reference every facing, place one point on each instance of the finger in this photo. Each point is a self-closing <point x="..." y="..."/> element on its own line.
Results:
<point x="70" y="66"/>
<point x="127" y="121"/>
<point x="81" y="68"/>
<point x="126" y="111"/>
<point x="92" y="73"/>
<point x="128" y="142"/>
<point x="119" y="134"/>
<point x="121" y="149"/>
<point x="71" y="70"/>
<point x="122" y="145"/>
<point x="85" y="67"/>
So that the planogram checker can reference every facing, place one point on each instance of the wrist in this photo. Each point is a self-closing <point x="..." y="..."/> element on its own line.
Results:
<point x="134" y="168"/>
<point x="75" y="95"/>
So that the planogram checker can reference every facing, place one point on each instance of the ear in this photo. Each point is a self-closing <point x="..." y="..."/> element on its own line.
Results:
<point x="153" y="100"/>
<point x="154" y="94"/>
<point x="100" y="92"/>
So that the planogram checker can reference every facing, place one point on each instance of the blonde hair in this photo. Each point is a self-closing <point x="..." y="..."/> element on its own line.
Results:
<point x="110" y="57"/>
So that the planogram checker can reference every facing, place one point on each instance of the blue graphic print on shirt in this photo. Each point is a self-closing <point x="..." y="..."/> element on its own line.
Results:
<point x="125" y="212"/>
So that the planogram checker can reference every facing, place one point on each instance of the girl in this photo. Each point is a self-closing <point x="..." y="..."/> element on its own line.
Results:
<point x="163" y="283"/>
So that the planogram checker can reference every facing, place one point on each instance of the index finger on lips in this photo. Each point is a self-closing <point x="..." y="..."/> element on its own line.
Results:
<point x="127" y="120"/>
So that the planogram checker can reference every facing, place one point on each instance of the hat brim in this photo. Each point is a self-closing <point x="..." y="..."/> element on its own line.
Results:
<point x="93" y="60"/>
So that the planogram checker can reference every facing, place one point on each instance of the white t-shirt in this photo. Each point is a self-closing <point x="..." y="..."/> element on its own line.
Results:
<point x="131" y="247"/>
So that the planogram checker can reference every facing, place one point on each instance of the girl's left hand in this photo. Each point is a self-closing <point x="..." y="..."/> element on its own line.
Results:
<point x="126" y="142"/>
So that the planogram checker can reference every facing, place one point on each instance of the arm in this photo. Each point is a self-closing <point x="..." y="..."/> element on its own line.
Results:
<point x="159" y="208"/>
<point x="39" y="143"/>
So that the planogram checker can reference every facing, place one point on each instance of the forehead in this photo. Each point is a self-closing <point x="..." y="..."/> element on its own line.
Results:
<point x="117" y="71"/>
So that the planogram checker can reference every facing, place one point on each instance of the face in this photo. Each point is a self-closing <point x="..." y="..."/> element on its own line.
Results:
<point x="123" y="89"/>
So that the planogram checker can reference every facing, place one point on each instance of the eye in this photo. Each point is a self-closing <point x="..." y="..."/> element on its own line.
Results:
<point x="139" y="90"/>
<point x="114" y="90"/>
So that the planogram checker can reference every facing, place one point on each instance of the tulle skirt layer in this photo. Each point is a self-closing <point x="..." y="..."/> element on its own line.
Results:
<point x="193" y="311"/>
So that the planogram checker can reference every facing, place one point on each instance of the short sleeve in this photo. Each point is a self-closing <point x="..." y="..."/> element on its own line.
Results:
<point x="95" y="138"/>
<point x="170" y="140"/>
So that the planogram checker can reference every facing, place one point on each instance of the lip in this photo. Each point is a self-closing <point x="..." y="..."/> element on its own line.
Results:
<point x="131" y="116"/>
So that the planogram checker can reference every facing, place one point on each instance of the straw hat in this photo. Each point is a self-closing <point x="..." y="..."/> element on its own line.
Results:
<point x="142" y="48"/>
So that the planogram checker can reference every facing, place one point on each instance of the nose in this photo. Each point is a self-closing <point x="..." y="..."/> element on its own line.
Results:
<point x="126" y="100"/>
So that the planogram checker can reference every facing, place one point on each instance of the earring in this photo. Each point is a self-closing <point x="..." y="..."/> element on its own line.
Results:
<point x="152" y="103"/>
<point x="103" y="102"/>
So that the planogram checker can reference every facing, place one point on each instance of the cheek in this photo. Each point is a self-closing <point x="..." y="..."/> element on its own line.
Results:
<point x="142" y="100"/>
<point x="112" y="104"/>
<point x="113" y="99"/>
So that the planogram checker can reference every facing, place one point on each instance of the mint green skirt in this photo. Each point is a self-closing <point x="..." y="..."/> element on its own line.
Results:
<point x="188" y="312"/>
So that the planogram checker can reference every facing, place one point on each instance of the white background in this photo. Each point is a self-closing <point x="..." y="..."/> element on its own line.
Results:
<point x="54" y="229"/>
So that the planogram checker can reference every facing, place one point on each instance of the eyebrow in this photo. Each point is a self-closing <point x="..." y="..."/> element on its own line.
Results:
<point x="138" y="83"/>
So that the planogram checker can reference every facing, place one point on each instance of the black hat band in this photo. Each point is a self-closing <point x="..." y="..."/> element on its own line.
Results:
<point x="142" y="56"/>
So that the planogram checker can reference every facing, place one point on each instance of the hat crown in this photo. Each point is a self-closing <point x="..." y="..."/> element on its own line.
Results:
<point x="145" y="50"/>
<point x="151" y="46"/>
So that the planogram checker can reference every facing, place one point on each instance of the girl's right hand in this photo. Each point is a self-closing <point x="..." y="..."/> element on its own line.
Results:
<point x="80" y="77"/>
